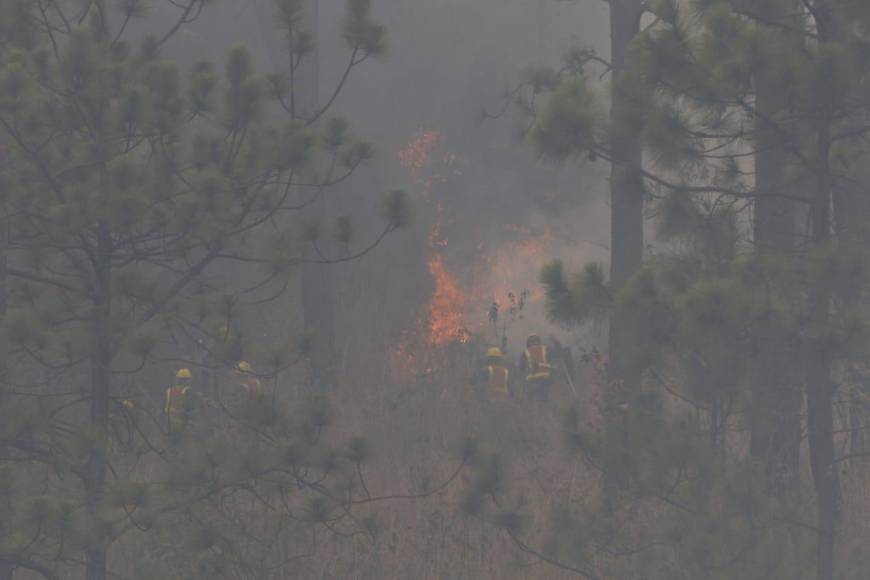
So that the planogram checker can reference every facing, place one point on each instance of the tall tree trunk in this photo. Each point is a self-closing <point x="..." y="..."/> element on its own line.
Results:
<point x="820" y="386"/>
<point x="318" y="280"/>
<point x="820" y="415"/>
<point x="851" y="216"/>
<point x="7" y="572"/>
<point x="96" y="555"/>
<point x="859" y="415"/>
<point x="626" y="217"/>
<point x="775" y="418"/>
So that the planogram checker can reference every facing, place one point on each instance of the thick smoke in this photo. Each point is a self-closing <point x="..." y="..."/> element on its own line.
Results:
<point x="448" y="62"/>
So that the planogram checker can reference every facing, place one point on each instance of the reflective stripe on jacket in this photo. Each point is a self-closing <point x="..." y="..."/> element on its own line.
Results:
<point x="175" y="400"/>
<point x="252" y="386"/>
<point x="498" y="379"/>
<point x="538" y="367"/>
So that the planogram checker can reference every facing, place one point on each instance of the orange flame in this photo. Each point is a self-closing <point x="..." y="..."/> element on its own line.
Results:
<point x="446" y="308"/>
<point x="457" y="305"/>
<point x="417" y="157"/>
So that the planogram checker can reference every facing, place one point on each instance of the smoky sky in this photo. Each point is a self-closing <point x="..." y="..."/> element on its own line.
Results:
<point x="447" y="61"/>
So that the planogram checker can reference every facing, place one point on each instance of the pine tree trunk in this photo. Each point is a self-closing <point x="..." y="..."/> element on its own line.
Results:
<point x="7" y="572"/>
<point x="820" y="386"/>
<point x="318" y="280"/>
<point x="95" y="479"/>
<point x="626" y="218"/>
<point x="820" y="424"/>
<point x="851" y="208"/>
<point x="858" y="417"/>
<point x="777" y="400"/>
<point x="626" y="191"/>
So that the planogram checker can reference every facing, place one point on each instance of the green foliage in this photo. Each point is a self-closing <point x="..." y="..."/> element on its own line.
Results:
<point x="732" y="101"/>
<point x="571" y="124"/>
<point x="147" y="208"/>
<point x="361" y="32"/>
<point x="667" y="10"/>
<point x="542" y="79"/>
<point x="396" y="209"/>
<point x="335" y="134"/>
<point x="585" y="298"/>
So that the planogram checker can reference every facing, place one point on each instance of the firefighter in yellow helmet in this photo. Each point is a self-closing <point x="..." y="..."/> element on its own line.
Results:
<point x="250" y="383"/>
<point x="251" y="403"/>
<point x="179" y="405"/>
<point x="535" y="363"/>
<point x="493" y="379"/>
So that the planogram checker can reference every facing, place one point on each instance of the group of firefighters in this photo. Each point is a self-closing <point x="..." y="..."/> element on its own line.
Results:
<point x="181" y="400"/>
<point x="495" y="382"/>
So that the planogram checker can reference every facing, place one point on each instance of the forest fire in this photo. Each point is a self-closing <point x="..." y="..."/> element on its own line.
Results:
<point x="493" y="273"/>
<point x="445" y="312"/>
<point x="512" y="266"/>
<point x="417" y="155"/>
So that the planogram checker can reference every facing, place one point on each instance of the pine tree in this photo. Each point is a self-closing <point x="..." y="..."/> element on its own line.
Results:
<point x="142" y="205"/>
<point x="568" y="129"/>
<point x="717" y="319"/>
<point x="776" y="420"/>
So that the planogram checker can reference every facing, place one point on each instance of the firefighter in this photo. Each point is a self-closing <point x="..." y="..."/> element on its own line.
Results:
<point x="492" y="384"/>
<point x="539" y="373"/>
<point x="250" y="383"/>
<point x="179" y="405"/>
<point x="494" y="377"/>
<point x="254" y="407"/>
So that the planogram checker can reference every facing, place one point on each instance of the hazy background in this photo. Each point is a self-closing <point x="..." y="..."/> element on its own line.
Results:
<point x="447" y="62"/>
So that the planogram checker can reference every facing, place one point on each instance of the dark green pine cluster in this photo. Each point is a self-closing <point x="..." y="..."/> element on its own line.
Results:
<point x="747" y="323"/>
<point x="145" y="207"/>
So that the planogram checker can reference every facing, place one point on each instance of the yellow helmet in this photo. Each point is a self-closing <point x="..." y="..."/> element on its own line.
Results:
<point x="494" y="352"/>
<point x="244" y="367"/>
<point x="183" y="374"/>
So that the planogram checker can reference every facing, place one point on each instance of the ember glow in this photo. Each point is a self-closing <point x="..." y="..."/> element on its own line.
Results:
<point x="420" y="157"/>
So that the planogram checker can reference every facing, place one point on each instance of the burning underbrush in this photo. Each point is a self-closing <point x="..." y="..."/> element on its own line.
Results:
<point x="469" y="281"/>
<point x="483" y="267"/>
